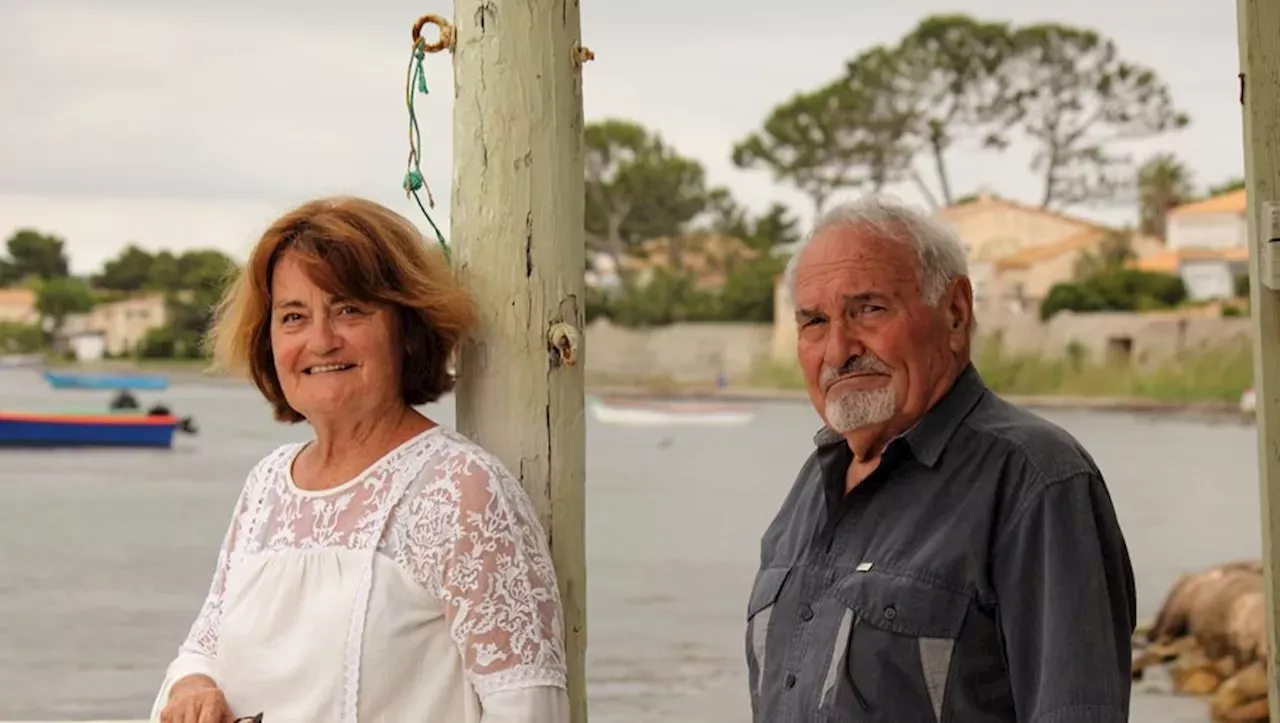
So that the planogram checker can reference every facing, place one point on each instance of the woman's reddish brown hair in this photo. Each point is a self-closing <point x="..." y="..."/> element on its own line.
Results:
<point x="359" y="249"/>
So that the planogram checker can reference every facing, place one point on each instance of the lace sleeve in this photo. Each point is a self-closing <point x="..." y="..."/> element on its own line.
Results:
<point x="486" y="556"/>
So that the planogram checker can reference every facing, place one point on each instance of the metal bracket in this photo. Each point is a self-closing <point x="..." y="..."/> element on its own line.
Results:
<point x="1269" y="232"/>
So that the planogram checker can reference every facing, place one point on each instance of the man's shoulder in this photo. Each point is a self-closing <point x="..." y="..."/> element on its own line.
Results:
<point x="1047" y="451"/>
<point x="802" y="504"/>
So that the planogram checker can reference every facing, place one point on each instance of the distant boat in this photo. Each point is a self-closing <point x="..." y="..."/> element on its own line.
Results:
<point x="86" y="380"/>
<point x="102" y="429"/>
<point x="643" y="413"/>
<point x="1248" y="402"/>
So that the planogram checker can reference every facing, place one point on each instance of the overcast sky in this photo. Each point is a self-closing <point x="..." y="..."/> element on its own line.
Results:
<point x="174" y="123"/>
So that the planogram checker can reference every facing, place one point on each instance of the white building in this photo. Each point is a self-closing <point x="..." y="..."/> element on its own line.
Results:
<point x="1208" y="246"/>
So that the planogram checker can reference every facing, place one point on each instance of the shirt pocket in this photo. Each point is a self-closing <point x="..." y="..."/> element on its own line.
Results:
<point x="894" y="648"/>
<point x="764" y="595"/>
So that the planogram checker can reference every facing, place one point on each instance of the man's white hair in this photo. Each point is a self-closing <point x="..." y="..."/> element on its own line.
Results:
<point x="940" y="256"/>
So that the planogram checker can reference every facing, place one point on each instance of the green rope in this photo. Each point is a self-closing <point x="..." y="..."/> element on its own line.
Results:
<point x="413" y="179"/>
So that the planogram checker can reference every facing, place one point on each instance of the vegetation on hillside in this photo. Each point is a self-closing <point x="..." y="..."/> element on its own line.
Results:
<point x="191" y="283"/>
<point x="891" y="114"/>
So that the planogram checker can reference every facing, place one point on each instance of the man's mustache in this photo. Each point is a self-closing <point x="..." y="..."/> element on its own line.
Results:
<point x="861" y="364"/>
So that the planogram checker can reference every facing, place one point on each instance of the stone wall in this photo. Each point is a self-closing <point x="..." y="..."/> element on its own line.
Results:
<point x="697" y="352"/>
<point x="1142" y="338"/>
<point x="680" y="352"/>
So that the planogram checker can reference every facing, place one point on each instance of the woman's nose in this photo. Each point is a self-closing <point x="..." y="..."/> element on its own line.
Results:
<point x="323" y="337"/>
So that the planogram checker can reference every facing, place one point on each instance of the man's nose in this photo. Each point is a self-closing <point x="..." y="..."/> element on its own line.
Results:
<point x="842" y="345"/>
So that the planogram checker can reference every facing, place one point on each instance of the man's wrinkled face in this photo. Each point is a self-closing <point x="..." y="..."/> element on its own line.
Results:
<point x="872" y="350"/>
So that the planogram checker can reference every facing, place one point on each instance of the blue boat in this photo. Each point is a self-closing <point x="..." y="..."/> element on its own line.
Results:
<point x="85" y="380"/>
<point x="39" y="429"/>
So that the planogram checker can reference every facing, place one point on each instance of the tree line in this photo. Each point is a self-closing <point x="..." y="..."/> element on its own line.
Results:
<point x="897" y="110"/>
<point x="191" y="283"/>
<point x="892" y="114"/>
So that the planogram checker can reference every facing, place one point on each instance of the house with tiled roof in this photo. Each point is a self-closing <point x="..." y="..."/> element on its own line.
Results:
<point x="708" y="257"/>
<point x="18" y="306"/>
<point x="1208" y="245"/>
<point x="1017" y="252"/>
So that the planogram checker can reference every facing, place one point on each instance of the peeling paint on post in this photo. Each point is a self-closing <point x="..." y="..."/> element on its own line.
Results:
<point x="517" y="230"/>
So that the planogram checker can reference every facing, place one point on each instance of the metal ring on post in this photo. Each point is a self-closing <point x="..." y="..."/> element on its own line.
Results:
<point x="563" y="341"/>
<point x="447" y="34"/>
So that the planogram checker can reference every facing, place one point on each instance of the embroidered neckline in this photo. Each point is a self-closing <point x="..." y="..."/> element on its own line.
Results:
<point x="359" y="477"/>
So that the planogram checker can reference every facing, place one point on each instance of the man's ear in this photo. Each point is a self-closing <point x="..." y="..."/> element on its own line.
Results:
<point x="959" y="311"/>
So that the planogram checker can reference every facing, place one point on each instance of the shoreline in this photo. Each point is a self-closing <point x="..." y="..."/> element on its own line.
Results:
<point x="1032" y="401"/>
<point x="184" y="371"/>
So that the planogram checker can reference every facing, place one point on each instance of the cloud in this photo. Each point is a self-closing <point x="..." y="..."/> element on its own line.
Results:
<point x="134" y="105"/>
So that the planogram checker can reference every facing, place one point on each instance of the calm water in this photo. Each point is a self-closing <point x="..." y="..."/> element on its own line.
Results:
<point x="106" y="555"/>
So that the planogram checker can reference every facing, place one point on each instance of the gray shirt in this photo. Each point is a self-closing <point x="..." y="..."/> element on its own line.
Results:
<point x="978" y="575"/>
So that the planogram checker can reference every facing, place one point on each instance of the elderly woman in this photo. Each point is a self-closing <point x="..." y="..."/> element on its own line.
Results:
<point x="389" y="569"/>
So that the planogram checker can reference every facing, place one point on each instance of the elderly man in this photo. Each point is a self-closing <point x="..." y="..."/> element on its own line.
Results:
<point x="943" y="555"/>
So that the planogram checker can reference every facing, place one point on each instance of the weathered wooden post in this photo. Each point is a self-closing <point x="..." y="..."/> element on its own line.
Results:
<point x="1259" y="27"/>
<point x="517" y="232"/>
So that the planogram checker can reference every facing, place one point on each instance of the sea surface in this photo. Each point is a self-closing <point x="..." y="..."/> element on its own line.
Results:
<point x="105" y="556"/>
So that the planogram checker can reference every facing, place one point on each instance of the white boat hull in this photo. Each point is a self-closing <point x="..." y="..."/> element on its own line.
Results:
<point x="1248" y="402"/>
<point x="672" y="416"/>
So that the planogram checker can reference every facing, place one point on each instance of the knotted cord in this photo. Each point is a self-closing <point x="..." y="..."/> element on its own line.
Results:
<point x="416" y="80"/>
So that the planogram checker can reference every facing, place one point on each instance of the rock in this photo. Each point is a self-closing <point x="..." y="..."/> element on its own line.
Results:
<point x="1211" y="629"/>
<point x="1255" y="712"/>
<point x="1247" y="687"/>
<point x="1226" y="666"/>
<point x="1193" y="674"/>
<point x="1222" y="608"/>
<point x="1199" y="681"/>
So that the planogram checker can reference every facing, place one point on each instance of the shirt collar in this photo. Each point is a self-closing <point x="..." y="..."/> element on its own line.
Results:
<point x="929" y="436"/>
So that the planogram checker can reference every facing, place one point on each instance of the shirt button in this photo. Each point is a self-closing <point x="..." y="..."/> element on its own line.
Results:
<point x="806" y="613"/>
<point x="890" y="613"/>
<point x="790" y="682"/>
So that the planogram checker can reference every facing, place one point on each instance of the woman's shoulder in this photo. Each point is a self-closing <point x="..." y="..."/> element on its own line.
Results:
<point x="464" y="489"/>
<point x="459" y="455"/>
<point x="272" y="462"/>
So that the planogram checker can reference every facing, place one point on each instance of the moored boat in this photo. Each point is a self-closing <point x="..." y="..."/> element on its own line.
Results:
<point x="1249" y="402"/>
<point x="105" y="380"/>
<point x="102" y="429"/>
<point x="644" y="413"/>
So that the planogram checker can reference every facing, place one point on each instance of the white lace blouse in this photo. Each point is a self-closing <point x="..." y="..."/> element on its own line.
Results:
<point x="420" y="590"/>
